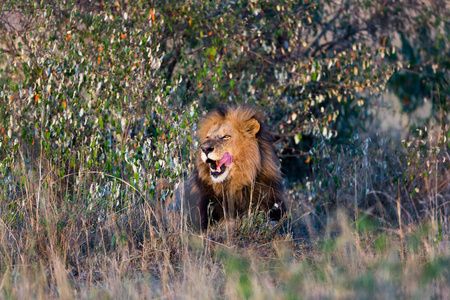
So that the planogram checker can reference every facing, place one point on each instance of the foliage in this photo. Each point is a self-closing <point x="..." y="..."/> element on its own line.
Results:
<point x="120" y="68"/>
<point x="424" y="47"/>
<point x="312" y="66"/>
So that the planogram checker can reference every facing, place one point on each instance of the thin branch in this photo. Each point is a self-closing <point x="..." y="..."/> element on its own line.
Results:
<point x="316" y="40"/>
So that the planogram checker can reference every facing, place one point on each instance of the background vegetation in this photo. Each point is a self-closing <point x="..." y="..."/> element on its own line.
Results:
<point x="99" y="99"/>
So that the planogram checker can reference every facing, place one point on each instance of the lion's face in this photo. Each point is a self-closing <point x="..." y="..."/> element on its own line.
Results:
<point x="218" y="150"/>
<point x="230" y="149"/>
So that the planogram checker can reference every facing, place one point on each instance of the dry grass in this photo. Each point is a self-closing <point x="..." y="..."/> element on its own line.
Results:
<point x="192" y="267"/>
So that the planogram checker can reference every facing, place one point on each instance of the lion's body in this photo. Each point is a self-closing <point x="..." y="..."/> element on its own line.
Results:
<point x="236" y="170"/>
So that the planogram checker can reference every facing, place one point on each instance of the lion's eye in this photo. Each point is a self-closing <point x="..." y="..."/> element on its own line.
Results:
<point x="226" y="137"/>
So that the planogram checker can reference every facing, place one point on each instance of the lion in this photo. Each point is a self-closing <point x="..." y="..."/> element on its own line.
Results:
<point x="236" y="169"/>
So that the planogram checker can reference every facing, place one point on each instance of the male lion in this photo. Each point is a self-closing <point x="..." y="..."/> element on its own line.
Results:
<point x="236" y="169"/>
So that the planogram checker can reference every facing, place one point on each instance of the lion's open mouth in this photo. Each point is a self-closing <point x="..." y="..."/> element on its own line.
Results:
<point x="218" y="167"/>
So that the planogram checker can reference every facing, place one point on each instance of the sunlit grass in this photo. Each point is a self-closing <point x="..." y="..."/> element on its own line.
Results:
<point x="347" y="264"/>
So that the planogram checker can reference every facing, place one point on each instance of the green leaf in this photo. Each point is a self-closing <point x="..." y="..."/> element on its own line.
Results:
<point x="211" y="53"/>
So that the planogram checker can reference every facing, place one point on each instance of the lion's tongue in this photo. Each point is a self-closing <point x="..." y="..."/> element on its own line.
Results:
<point x="226" y="160"/>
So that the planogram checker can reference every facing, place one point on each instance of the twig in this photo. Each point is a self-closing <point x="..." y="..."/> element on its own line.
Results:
<point x="316" y="40"/>
<point x="399" y="212"/>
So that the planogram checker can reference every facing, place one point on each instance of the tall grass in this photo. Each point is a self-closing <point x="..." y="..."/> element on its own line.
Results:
<point x="345" y="263"/>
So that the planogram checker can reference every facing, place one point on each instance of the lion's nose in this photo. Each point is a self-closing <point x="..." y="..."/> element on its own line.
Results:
<point x="207" y="149"/>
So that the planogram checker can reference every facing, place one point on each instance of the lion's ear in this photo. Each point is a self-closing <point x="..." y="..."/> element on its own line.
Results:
<point x="252" y="126"/>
